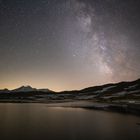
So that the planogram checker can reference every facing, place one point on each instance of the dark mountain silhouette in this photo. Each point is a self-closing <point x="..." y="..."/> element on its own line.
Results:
<point x="24" y="89"/>
<point x="108" y="92"/>
<point x="121" y="89"/>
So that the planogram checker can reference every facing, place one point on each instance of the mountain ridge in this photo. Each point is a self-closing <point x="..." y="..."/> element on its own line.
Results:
<point x="129" y="90"/>
<point x="25" y="89"/>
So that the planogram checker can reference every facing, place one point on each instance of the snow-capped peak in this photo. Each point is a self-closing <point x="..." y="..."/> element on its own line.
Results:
<point x="24" y="89"/>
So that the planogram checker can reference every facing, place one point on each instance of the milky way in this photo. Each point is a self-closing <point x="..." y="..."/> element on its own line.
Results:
<point x="109" y="40"/>
<point x="68" y="44"/>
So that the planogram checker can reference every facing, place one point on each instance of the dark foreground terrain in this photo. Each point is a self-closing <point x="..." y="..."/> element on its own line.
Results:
<point x="123" y="97"/>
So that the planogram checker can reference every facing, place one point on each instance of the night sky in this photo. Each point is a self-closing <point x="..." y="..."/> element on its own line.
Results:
<point x="68" y="44"/>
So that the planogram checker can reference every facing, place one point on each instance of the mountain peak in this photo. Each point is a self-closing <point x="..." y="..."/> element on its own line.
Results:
<point x="29" y="89"/>
<point x="24" y="89"/>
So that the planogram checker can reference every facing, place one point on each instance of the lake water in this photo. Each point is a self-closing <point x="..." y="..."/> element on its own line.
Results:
<point x="38" y="122"/>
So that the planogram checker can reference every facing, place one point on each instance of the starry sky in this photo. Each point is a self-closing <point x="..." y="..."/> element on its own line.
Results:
<point x="68" y="44"/>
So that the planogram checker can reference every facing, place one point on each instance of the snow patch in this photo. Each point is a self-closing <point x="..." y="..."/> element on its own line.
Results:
<point x="131" y="87"/>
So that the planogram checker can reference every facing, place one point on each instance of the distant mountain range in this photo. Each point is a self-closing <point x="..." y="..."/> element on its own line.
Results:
<point x="24" y="89"/>
<point x="129" y="91"/>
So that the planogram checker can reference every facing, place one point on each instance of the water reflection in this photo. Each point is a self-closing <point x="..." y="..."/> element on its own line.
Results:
<point x="38" y="121"/>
